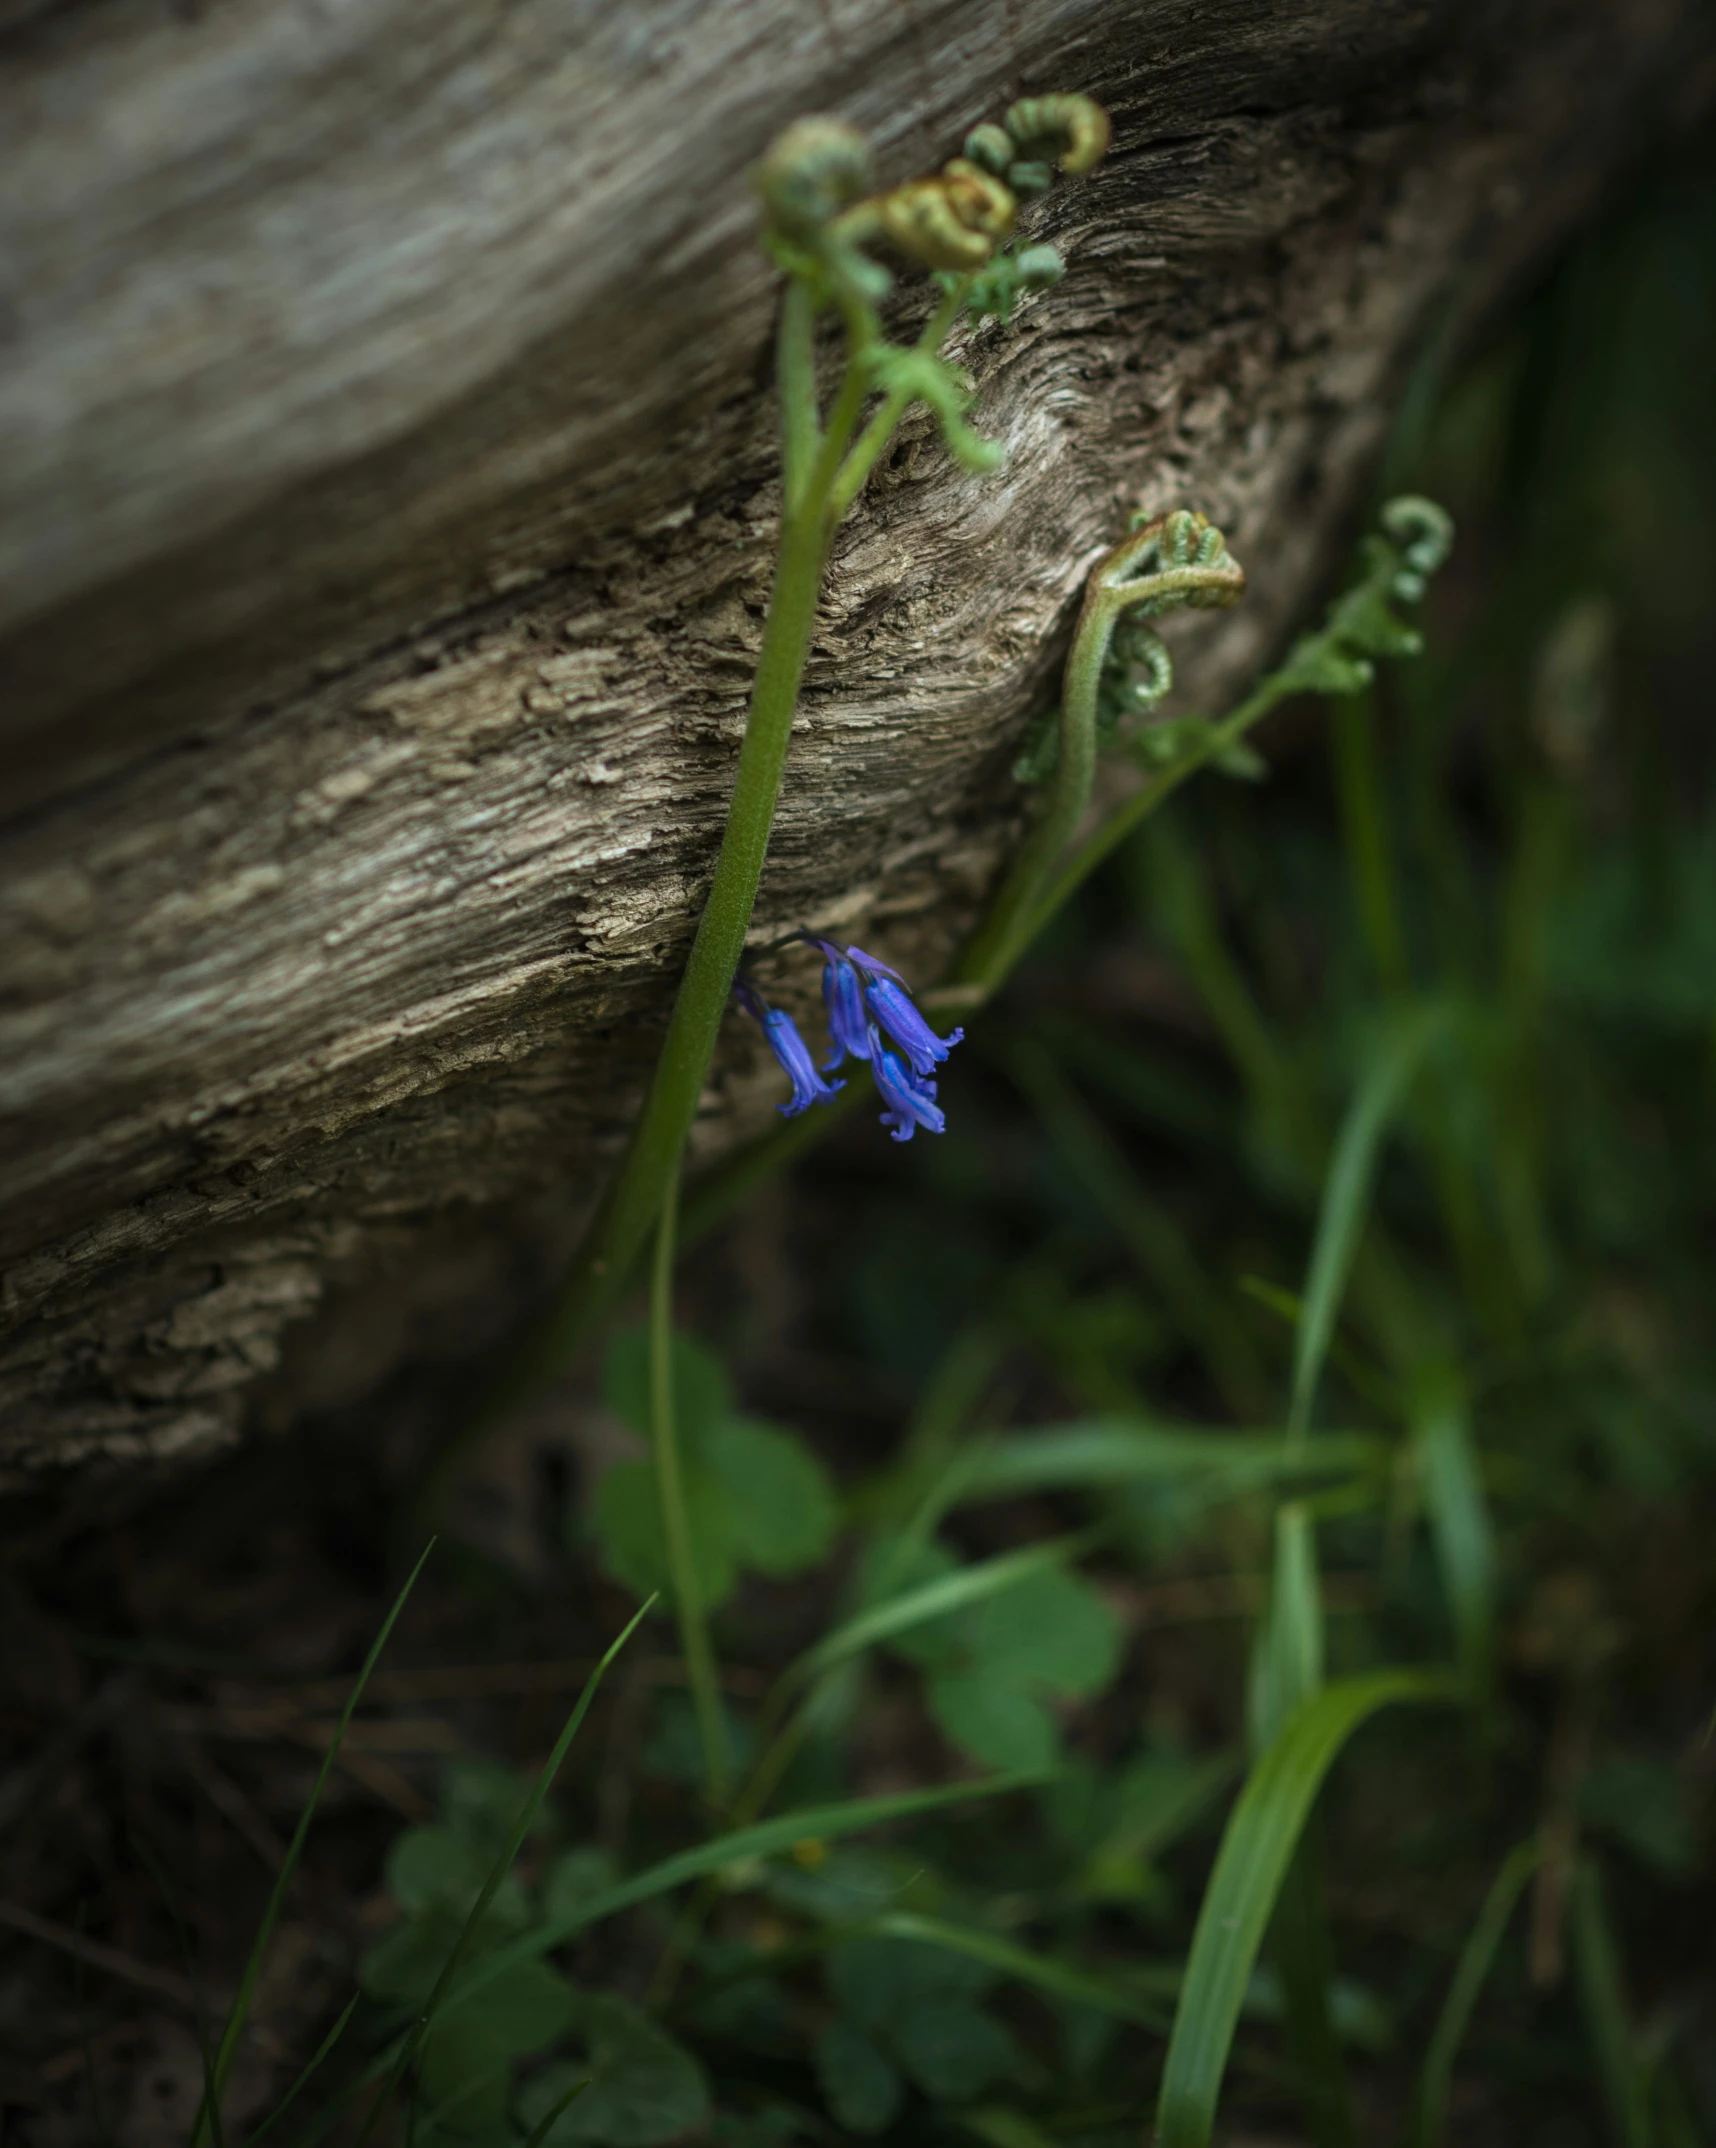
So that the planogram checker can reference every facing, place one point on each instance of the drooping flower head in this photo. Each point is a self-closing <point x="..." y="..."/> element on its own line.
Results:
<point x="871" y="1017"/>
<point x="781" y="1033"/>
<point x="910" y="1100"/>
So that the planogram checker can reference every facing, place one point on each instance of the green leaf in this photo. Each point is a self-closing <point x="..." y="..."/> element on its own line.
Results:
<point x="644" y="2086"/>
<point x="992" y="1721"/>
<point x="433" y="1868"/>
<point x="781" y="1513"/>
<point x="1052" y="1633"/>
<point x="952" y="2049"/>
<point x="701" y="1397"/>
<point x="862" y="2087"/>
<point x="577" y="1877"/>
<point x="628" y="1521"/>
<point x="401" y="1968"/>
<point x="1459" y="1519"/>
<point x="1258" y="1843"/>
<point x="1288" y="1664"/>
<point x="466" y="2061"/>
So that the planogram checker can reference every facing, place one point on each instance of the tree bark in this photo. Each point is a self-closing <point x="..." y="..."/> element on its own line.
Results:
<point x="389" y="498"/>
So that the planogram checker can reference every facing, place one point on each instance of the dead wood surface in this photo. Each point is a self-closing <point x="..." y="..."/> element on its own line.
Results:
<point x="386" y="522"/>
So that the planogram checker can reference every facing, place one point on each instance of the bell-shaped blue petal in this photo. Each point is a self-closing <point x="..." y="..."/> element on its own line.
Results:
<point x="893" y="1008"/>
<point x="843" y="996"/>
<point x="910" y="1102"/>
<point x="781" y="1032"/>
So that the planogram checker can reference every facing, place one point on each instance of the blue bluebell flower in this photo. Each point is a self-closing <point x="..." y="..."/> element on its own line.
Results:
<point x="910" y="1100"/>
<point x="843" y="996"/>
<point x="891" y="1004"/>
<point x="781" y="1031"/>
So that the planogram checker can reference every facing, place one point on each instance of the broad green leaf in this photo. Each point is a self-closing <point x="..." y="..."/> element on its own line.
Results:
<point x="780" y="1513"/>
<point x="861" y="2084"/>
<point x="701" y="1397"/>
<point x="480" y="1802"/>
<point x="881" y="1979"/>
<point x="576" y="1877"/>
<point x="628" y="1522"/>
<point x="952" y="2049"/>
<point x="1262" y="1833"/>
<point x="1459" y="1519"/>
<point x="467" y="2059"/>
<point x="645" y="2087"/>
<point x="993" y="1721"/>
<point x="1468" y="1979"/>
<point x="433" y="1868"/>
<point x="1052" y="1633"/>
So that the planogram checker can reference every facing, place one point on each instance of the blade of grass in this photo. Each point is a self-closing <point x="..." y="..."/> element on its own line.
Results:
<point x="934" y="1599"/>
<point x="1459" y="1519"/>
<point x="1346" y="1197"/>
<point x="742" y="1846"/>
<point x="540" y="2131"/>
<point x="503" y="1864"/>
<point x="236" y="2018"/>
<point x="1288" y="1664"/>
<point x="1257" y="1846"/>
<point x="322" y="2051"/>
<point x="1104" y="1451"/>
<point x="1288" y="1672"/>
<point x="1470" y="1971"/>
<point x="1057" y="1978"/>
<point x="1600" y="1988"/>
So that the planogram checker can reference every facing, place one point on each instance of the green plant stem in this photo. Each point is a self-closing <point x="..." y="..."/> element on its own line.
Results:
<point x="675" y="1515"/>
<point x="872" y="442"/>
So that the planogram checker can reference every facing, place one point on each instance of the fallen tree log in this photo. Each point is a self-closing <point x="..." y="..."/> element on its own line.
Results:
<point x="389" y="498"/>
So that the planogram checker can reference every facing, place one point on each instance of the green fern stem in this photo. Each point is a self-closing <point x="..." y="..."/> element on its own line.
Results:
<point x="1115" y="587"/>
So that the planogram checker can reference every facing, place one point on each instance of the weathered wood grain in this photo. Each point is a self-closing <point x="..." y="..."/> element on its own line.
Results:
<point x="385" y="525"/>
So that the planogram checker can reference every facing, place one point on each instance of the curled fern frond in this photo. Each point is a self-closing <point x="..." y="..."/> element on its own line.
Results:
<point x="992" y="147"/>
<point x="1069" y="130"/>
<point x="815" y="169"/>
<point x="1168" y="561"/>
<point x="949" y="222"/>
<point x="1361" y="625"/>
